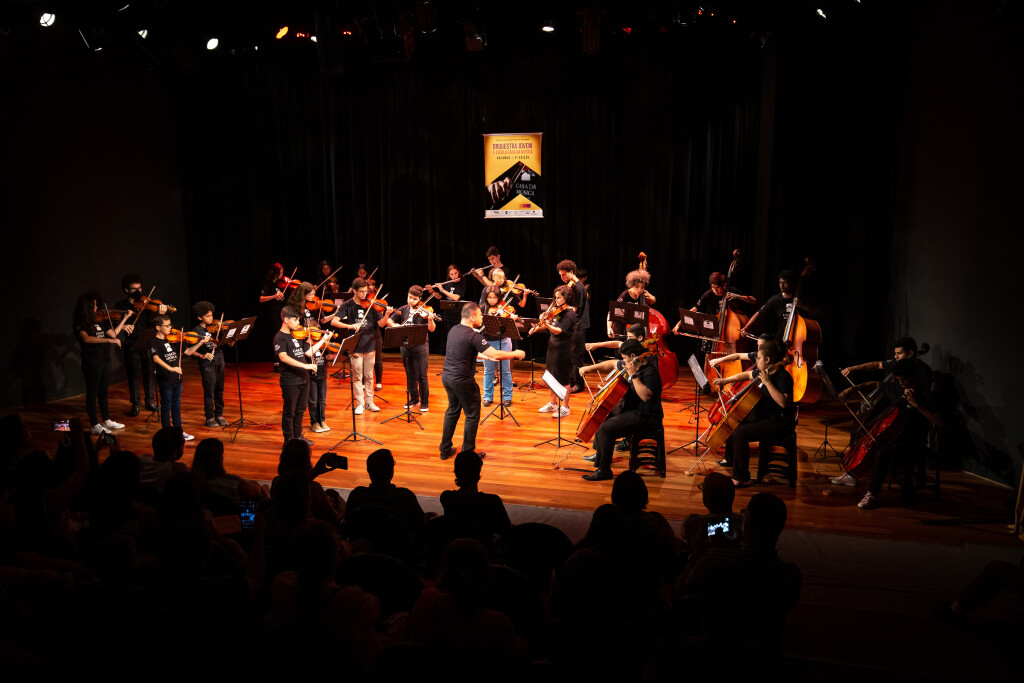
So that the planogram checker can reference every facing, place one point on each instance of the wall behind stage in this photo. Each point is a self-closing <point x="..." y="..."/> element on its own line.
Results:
<point x="956" y="263"/>
<point x="90" y="193"/>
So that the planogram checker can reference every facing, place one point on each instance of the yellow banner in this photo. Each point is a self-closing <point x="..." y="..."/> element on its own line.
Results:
<point x="512" y="180"/>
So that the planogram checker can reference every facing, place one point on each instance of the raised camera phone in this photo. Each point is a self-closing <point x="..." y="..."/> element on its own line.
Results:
<point x="248" y="513"/>
<point x="60" y="424"/>
<point x="720" y="527"/>
<point x="333" y="460"/>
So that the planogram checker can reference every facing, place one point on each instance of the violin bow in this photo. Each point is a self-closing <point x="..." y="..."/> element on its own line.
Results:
<point x="327" y="279"/>
<point x="220" y="328"/>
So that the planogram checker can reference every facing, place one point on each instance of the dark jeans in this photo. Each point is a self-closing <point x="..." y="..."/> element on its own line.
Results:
<point x="138" y="364"/>
<point x="318" y="396"/>
<point x="414" y="358"/>
<point x="579" y="356"/>
<point x="620" y="423"/>
<point x="170" y="404"/>
<point x="462" y="396"/>
<point x="296" y="397"/>
<point x="737" y="446"/>
<point x="97" y="382"/>
<point x="213" y="385"/>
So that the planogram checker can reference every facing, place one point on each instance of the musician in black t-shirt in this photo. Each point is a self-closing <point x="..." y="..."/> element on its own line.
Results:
<point x="774" y="315"/>
<point x="293" y="355"/>
<point x="166" y="356"/>
<point x="92" y="340"/>
<point x="640" y="409"/>
<point x="358" y="315"/>
<point x="772" y="417"/>
<point x="581" y="302"/>
<point x="559" y="359"/>
<point x="135" y="345"/>
<point x="414" y="358"/>
<point x="494" y="258"/>
<point x="457" y="376"/>
<point x="211" y="365"/>
<point x="636" y="293"/>
<point x="453" y="290"/>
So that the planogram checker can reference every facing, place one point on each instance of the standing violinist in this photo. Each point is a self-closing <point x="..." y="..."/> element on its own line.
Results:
<point x="301" y="299"/>
<point x="560" y="321"/>
<point x="910" y="446"/>
<point x="272" y="301"/>
<point x="330" y="284"/>
<point x="378" y="339"/>
<point x="639" y="410"/>
<point x="491" y="298"/>
<point x="567" y="271"/>
<point x="453" y="290"/>
<point x="636" y="293"/>
<point x="167" y="360"/>
<point x="414" y="358"/>
<point x="135" y="345"/>
<point x="92" y="339"/>
<point x="770" y="420"/>
<point x="294" y="355"/>
<point x="358" y="315"/>
<point x="211" y="365"/>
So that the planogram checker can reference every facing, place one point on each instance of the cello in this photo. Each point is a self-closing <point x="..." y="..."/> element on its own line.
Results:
<point x="657" y="326"/>
<point x="729" y="325"/>
<point x="801" y="338"/>
<point x="742" y="403"/>
<point x="607" y="397"/>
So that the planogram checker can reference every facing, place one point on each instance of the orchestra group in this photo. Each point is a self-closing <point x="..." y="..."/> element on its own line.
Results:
<point x="756" y="391"/>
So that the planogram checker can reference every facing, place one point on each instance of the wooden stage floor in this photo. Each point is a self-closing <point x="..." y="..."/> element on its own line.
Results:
<point x="971" y="510"/>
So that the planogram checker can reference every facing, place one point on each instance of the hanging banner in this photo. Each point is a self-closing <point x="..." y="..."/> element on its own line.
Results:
<point x="512" y="176"/>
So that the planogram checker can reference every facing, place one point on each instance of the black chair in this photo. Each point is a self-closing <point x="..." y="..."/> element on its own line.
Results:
<point x="779" y="458"/>
<point x="642" y="452"/>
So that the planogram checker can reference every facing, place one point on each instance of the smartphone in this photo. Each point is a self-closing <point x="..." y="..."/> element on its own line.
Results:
<point x="338" y="462"/>
<point x="718" y="527"/>
<point x="248" y="513"/>
<point x="60" y="424"/>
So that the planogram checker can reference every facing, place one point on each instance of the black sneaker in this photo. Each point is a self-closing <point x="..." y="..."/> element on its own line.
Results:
<point x="622" y="445"/>
<point x="508" y="403"/>
<point x="590" y="458"/>
<point x="134" y="412"/>
<point x="211" y="422"/>
<point x="221" y="421"/>
<point x="424" y="408"/>
<point x="598" y="475"/>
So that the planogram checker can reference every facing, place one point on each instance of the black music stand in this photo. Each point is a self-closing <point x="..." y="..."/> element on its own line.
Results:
<point x="560" y="392"/>
<point x="348" y="347"/>
<point x="497" y="326"/>
<point x="700" y="325"/>
<point x="405" y="336"/>
<point x="700" y="385"/>
<point x="628" y="313"/>
<point x="825" y="446"/>
<point x="236" y="332"/>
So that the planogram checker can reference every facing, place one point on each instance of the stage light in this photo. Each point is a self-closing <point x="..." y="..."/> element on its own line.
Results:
<point x="548" y="28"/>
<point x="821" y="13"/>
<point x="47" y="19"/>
<point x="313" y="38"/>
<point x="346" y="32"/>
<point x="144" y="33"/>
<point x="282" y="32"/>
<point x="212" y="44"/>
<point x="627" y="30"/>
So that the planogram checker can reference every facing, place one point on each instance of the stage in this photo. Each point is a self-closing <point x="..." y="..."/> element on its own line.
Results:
<point x="971" y="510"/>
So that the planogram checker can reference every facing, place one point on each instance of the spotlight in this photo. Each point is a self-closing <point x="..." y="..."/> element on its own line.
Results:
<point x="144" y="33"/>
<point x="821" y="13"/>
<point x="313" y="38"/>
<point x="47" y="19"/>
<point x="548" y="28"/>
<point x="282" y="32"/>
<point x="212" y="44"/>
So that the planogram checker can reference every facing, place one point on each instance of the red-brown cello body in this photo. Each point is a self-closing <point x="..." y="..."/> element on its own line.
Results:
<point x="668" y="365"/>
<point x="889" y="425"/>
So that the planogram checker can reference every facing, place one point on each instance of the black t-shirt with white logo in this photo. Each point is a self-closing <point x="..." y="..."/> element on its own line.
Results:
<point x="286" y="343"/>
<point x="208" y="347"/>
<point x="97" y="353"/>
<point x="354" y="314"/>
<point x="168" y="353"/>
<point x="460" y="356"/>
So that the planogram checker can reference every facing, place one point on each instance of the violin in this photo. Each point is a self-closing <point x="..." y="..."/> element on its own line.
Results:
<point x="174" y="336"/>
<point x="547" y="317"/>
<point x="517" y="288"/>
<point x="378" y="304"/>
<point x="286" y="283"/>
<point x="502" y="310"/>
<point x="105" y="315"/>
<point x="218" y="327"/>
<point x="326" y="305"/>
<point x="424" y="311"/>
<point x="153" y="305"/>
<point x="300" y="333"/>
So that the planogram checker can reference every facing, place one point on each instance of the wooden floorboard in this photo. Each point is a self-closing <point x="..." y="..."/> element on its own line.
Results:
<point x="971" y="510"/>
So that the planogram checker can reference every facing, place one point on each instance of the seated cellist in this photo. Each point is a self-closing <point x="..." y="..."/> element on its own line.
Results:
<point x="771" y="419"/>
<point x="639" y="409"/>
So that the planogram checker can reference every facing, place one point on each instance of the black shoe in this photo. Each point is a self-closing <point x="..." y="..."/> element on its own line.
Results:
<point x="134" y="412"/>
<point x="448" y="453"/>
<point x="598" y="475"/>
<point x="221" y="421"/>
<point x="308" y="441"/>
<point x="487" y="403"/>
<point x="508" y="403"/>
<point x="725" y="463"/>
<point x="482" y="454"/>
<point x="212" y="423"/>
<point x="590" y="458"/>
<point x="150" y="405"/>
<point x="622" y="445"/>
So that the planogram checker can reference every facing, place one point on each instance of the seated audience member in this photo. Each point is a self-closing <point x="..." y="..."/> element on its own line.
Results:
<point x="724" y="531"/>
<point x="156" y="469"/>
<point x="208" y="468"/>
<point x="468" y="503"/>
<point x="297" y="458"/>
<point x="381" y="494"/>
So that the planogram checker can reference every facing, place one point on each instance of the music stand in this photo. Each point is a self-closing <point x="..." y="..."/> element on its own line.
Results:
<point x="627" y="313"/>
<point x="700" y="383"/>
<point x="700" y="325"/>
<point x="830" y="388"/>
<point x="236" y="332"/>
<point x="560" y="393"/>
<point x="497" y="326"/>
<point x="405" y="336"/>
<point x="348" y="347"/>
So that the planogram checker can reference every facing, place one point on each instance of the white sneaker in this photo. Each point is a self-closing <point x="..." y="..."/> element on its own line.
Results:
<point x="868" y="502"/>
<point x="187" y="436"/>
<point x="561" y="412"/>
<point x="424" y="408"/>
<point x="547" y="408"/>
<point x="359" y="410"/>
<point x="110" y="424"/>
<point x="845" y="480"/>
<point x="411" y="404"/>
<point x="324" y="427"/>
<point x="372" y="407"/>
<point x="98" y="429"/>
<point x="378" y="386"/>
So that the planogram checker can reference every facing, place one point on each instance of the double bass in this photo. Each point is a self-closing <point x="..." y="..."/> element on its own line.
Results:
<point x="801" y="338"/>
<point x="657" y="326"/>
<point x="729" y="325"/>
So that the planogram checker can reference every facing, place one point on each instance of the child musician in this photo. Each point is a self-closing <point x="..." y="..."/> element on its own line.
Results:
<point x="414" y="358"/>
<point x="293" y="355"/>
<point x="166" y="358"/>
<point x="311" y="317"/>
<point x="211" y="365"/>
